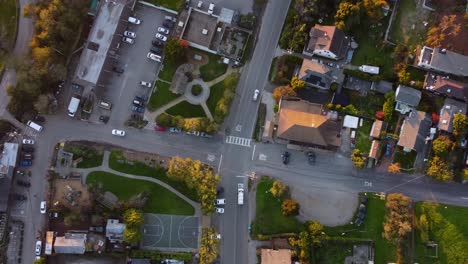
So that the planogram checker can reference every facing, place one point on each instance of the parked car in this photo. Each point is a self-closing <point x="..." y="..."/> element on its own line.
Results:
<point x="311" y="157"/>
<point x="117" y="132"/>
<point x="211" y="8"/>
<point x="134" y="20"/>
<point x="285" y="156"/>
<point x="146" y="84"/>
<point x="205" y="135"/>
<point x="23" y="183"/>
<point x="54" y="215"/>
<point x="256" y="93"/>
<point x="170" y="18"/>
<point x="27" y="156"/>
<point x="193" y="133"/>
<point x="28" y="141"/>
<point x="138" y="103"/>
<point x="157" y="43"/>
<point x="156" y="50"/>
<point x="163" y="30"/>
<point x="129" y="34"/>
<point x="142" y="97"/>
<point x="43" y="207"/>
<point x="219" y="191"/>
<point x="175" y="130"/>
<point x="128" y="40"/>
<point x="25" y="163"/>
<point x="104" y="119"/>
<point x="153" y="56"/>
<point x="220" y="201"/>
<point x="219" y="210"/>
<point x="161" y="37"/>
<point x="38" y="247"/>
<point x="39" y="119"/>
<point x="27" y="148"/>
<point x="137" y="117"/>
<point x="138" y="109"/>
<point x="168" y="24"/>
<point x="159" y="128"/>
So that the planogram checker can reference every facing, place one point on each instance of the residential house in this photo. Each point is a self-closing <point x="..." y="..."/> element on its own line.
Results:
<point x="441" y="85"/>
<point x="71" y="243"/>
<point x="316" y="74"/>
<point x="376" y="129"/>
<point x="114" y="230"/>
<point x="406" y="99"/>
<point x="327" y="41"/>
<point x="307" y="124"/>
<point x="414" y="130"/>
<point x="381" y="86"/>
<point x="272" y="256"/>
<point x="448" y="111"/>
<point x="443" y="61"/>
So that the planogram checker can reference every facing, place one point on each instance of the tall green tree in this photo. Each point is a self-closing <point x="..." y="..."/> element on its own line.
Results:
<point x="439" y="169"/>
<point x="460" y="124"/>
<point x="442" y="145"/>
<point x="174" y="50"/>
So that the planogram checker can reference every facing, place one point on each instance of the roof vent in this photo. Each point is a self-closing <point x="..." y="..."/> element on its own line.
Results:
<point x="444" y="122"/>
<point x="204" y="31"/>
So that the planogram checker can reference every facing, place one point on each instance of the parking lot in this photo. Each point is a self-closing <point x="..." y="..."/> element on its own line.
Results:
<point x="121" y="88"/>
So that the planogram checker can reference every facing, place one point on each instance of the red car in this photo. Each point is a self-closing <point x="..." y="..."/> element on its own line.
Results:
<point x="160" y="128"/>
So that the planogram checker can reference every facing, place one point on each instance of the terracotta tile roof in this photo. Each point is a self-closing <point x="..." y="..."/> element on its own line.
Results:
<point x="301" y="121"/>
<point x="280" y="256"/>
<point x="374" y="150"/>
<point x="376" y="128"/>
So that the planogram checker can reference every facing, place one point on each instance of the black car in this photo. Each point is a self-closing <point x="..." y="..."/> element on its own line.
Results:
<point x="39" y="119"/>
<point x="157" y="43"/>
<point x="104" y="119"/>
<point x="136" y="117"/>
<point x="118" y="69"/>
<point x="168" y="24"/>
<point x="285" y="156"/>
<point x="156" y="50"/>
<point x="143" y="98"/>
<point x="23" y="183"/>
<point x="220" y="191"/>
<point x="20" y="197"/>
<point x="311" y="157"/>
<point x="27" y="148"/>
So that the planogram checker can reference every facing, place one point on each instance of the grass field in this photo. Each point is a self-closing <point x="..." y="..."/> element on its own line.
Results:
<point x="168" y="70"/>
<point x="161" y="96"/>
<point x="187" y="110"/>
<point x="371" y="229"/>
<point x="171" y="4"/>
<point x="8" y="26"/>
<point x="363" y="141"/>
<point x="407" y="28"/>
<point x="141" y="169"/>
<point x="405" y="159"/>
<point x="160" y="200"/>
<point x="269" y="218"/>
<point x="213" y="69"/>
<point x="216" y="93"/>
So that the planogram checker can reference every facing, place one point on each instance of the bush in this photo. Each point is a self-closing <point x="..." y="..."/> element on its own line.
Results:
<point x="290" y="207"/>
<point x="362" y="75"/>
<point x="197" y="89"/>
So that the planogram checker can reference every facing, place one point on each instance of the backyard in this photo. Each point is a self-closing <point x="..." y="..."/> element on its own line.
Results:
<point x="119" y="163"/>
<point x="408" y="28"/>
<point x="160" y="200"/>
<point x="366" y="105"/>
<point x="371" y="229"/>
<point x="406" y="159"/>
<point x="213" y="69"/>
<point x="363" y="141"/>
<point x="161" y="96"/>
<point x="8" y="28"/>
<point x="187" y="110"/>
<point x="269" y="217"/>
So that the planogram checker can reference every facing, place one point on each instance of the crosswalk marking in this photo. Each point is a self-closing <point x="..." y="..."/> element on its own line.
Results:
<point x="238" y="141"/>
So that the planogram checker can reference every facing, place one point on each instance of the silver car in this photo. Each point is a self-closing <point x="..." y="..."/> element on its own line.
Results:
<point x="128" y="40"/>
<point x="129" y="34"/>
<point x="163" y="30"/>
<point x="161" y="37"/>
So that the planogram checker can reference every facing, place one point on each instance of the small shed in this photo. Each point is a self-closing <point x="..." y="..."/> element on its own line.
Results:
<point x="376" y="129"/>
<point x="351" y="121"/>
<point x="374" y="150"/>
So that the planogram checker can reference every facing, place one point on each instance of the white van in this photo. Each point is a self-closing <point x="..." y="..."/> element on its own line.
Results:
<point x="105" y="105"/>
<point x="211" y="8"/>
<point x="34" y="126"/>
<point x="73" y="106"/>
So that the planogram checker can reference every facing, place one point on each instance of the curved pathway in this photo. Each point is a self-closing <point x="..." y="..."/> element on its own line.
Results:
<point x="105" y="167"/>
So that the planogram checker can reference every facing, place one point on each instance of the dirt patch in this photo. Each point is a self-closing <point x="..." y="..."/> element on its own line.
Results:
<point x="76" y="192"/>
<point x="331" y="208"/>
<point x="149" y="159"/>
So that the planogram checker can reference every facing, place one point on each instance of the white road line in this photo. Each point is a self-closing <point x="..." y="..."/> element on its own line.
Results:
<point x="220" y="161"/>
<point x="253" y="152"/>
<point x="465" y="198"/>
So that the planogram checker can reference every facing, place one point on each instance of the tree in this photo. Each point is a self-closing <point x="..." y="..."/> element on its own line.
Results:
<point x="40" y="260"/>
<point x="357" y="159"/>
<point x="278" y="188"/>
<point x="460" y="124"/>
<point x="290" y="207"/>
<point x="42" y="104"/>
<point x="446" y="27"/>
<point x="380" y="115"/>
<point x="423" y="228"/>
<point x="175" y="50"/>
<point x="133" y="218"/>
<point x="347" y="15"/>
<point x="465" y="175"/>
<point x="283" y="91"/>
<point x="404" y="76"/>
<point x="388" y="106"/>
<point x="374" y="8"/>
<point x="394" y="168"/>
<point x="192" y="124"/>
<point x="398" y="218"/>
<point x="439" y="169"/>
<point x="131" y="235"/>
<point x="316" y="233"/>
<point x="164" y="120"/>
<point x="209" y="245"/>
<point x="297" y="83"/>
<point x="435" y="118"/>
<point x="442" y="145"/>
<point x="350" y="110"/>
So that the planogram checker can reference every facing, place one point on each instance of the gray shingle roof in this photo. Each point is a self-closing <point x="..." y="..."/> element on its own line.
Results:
<point x="408" y="95"/>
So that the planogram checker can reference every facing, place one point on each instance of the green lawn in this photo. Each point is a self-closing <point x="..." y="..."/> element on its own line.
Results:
<point x="8" y="26"/>
<point x="334" y="252"/>
<point x="405" y="159"/>
<point x="160" y="200"/>
<point x="213" y="69"/>
<point x="366" y="105"/>
<point x="187" y="110"/>
<point x="363" y="141"/>
<point x="416" y="74"/>
<point x="407" y="28"/>
<point x="216" y="93"/>
<point x="171" y="4"/>
<point x="91" y="157"/>
<point x="141" y="169"/>
<point x="269" y="218"/>
<point x="372" y="228"/>
<point x="161" y="96"/>
<point x="168" y="70"/>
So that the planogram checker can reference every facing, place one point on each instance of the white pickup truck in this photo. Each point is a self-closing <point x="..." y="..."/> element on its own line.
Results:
<point x="240" y="193"/>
